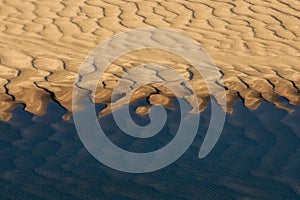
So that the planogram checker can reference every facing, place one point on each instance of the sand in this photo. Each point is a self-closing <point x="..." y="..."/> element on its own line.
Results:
<point x="254" y="43"/>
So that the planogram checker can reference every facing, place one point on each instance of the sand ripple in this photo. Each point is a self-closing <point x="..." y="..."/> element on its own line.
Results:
<point x="255" y="43"/>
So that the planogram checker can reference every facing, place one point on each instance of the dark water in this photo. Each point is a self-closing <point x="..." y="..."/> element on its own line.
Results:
<point x="257" y="157"/>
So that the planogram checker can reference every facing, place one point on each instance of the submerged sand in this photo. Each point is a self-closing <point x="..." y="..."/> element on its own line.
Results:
<point x="254" y="43"/>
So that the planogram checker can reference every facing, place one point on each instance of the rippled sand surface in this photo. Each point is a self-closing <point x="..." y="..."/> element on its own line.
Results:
<point x="42" y="44"/>
<point x="43" y="158"/>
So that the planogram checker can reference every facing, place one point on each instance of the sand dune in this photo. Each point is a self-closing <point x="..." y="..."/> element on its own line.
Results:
<point x="255" y="43"/>
<point x="258" y="157"/>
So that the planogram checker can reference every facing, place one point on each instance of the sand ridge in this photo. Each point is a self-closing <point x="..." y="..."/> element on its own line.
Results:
<point x="255" y="44"/>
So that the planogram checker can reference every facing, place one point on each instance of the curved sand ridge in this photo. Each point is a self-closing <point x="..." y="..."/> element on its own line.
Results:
<point x="255" y="44"/>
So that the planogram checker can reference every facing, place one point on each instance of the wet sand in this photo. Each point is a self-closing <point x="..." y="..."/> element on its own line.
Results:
<point x="254" y="43"/>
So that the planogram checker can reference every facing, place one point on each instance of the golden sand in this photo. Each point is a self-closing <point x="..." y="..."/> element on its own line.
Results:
<point x="255" y="44"/>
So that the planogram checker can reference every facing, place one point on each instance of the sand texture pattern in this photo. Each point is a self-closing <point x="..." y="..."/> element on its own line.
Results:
<point x="42" y="44"/>
<point x="250" y="162"/>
